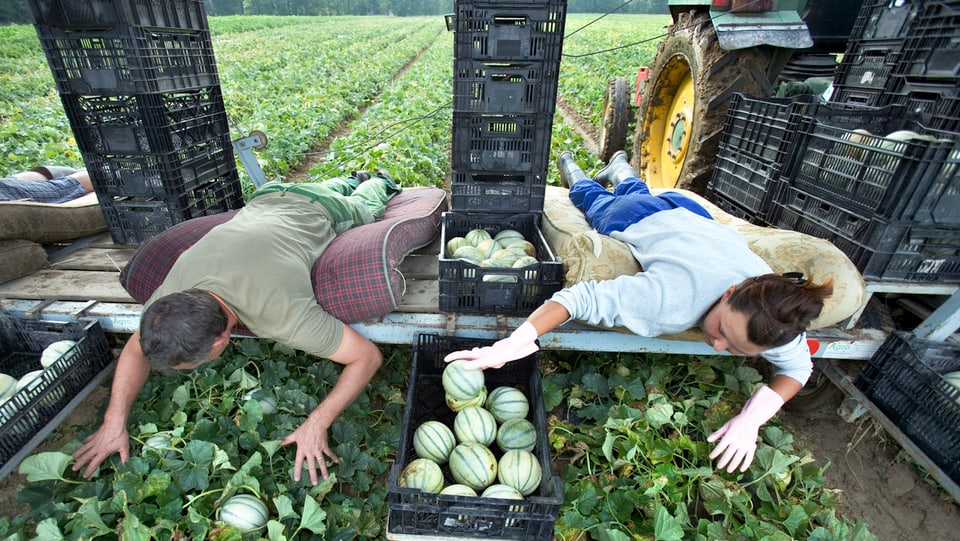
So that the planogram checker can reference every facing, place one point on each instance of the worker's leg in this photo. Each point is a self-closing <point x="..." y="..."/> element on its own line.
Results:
<point x="636" y="187"/>
<point x="374" y="194"/>
<point x="58" y="190"/>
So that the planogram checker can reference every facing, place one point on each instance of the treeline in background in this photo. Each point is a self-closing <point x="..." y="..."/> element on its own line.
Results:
<point x="18" y="12"/>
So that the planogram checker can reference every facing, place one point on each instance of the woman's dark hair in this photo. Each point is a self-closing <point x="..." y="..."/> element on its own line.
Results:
<point x="779" y="306"/>
<point x="180" y="328"/>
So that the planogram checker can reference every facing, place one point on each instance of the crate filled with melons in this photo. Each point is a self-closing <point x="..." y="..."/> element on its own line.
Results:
<point x="474" y="458"/>
<point x="44" y="365"/>
<point x="495" y="264"/>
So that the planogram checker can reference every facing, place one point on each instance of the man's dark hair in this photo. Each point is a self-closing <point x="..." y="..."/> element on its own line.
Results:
<point x="180" y="328"/>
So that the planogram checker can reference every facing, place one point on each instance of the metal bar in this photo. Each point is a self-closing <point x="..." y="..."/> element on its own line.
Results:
<point x="843" y="381"/>
<point x="943" y="322"/>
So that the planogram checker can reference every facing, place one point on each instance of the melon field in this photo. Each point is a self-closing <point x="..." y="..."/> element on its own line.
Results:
<point x="627" y="432"/>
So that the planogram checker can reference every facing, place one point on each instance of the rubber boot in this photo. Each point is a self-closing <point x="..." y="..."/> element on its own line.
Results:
<point x="616" y="171"/>
<point x="570" y="172"/>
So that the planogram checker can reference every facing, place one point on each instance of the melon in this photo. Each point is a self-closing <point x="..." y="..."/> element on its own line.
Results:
<point x="475" y="424"/>
<point x="30" y="379"/>
<point x="953" y="378"/>
<point x="54" y="351"/>
<point x="423" y="474"/>
<point x="520" y="470"/>
<point x="456" y="404"/>
<point x="508" y="236"/>
<point x="268" y="404"/>
<point x="524" y="262"/>
<point x="460" y="383"/>
<point x="434" y="440"/>
<point x="507" y="402"/>
<point x="474" y="465"/>
<point x="454" y="243"/>
<point x="158" y="444"/>
<point x="487" y="247"/>
<point x="474" y="236"/>
<point x="470" y="254"/>
<point x="8" y="386"/>
<point x="516" y="434"/>
<point x="457" y="489"/>
<point x="507" y="257"/>
<point x="499" y="490"/>
<point x="244" y="512"/>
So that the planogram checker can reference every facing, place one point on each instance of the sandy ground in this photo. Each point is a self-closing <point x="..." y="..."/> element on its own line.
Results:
<point x="879" y="483"/>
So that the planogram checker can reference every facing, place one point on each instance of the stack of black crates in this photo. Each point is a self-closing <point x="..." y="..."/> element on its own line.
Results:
<point x="506" y="66"/>
<point x="139" y="85"/>
<point x="849" y="170"/>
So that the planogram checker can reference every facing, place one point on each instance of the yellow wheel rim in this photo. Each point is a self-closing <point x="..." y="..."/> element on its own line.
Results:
<point x="672" y="125"/>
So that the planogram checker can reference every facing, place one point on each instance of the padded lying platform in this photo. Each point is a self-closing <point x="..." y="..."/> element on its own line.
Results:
<point x="355" y="279"/>
<point x="588" y="255"/>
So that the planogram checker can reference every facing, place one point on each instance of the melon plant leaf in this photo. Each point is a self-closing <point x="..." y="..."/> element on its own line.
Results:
<point x="314" y="517"/>
<point x="665" y="526"/>
<point x="284" y="507"/>
<point x="552" y="394"/>
<point x="48" y="530"/>
<point x="45" y="466"/>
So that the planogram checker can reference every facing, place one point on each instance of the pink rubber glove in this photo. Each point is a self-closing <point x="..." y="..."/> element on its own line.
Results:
<point x="520" y="343"/>
<point x="739" y="434"/>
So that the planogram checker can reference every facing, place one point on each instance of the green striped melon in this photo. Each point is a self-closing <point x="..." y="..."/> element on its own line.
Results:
<point x="516" y="434"/>
<point x="474" y="465"/>
<point x="475" y="424"/>
<point x="422" y="473"/>
<point x="507" y="403"/>
<point x="520" y="470"/>
<point x="456" y="404"/>
<point x="244" y="512"/>
<point x="460" y="383"/>
<point x="457" y="489"/>
<point x="434" y="440"/>
<point x="500" y="490"/>
<point x="54" y="351"/>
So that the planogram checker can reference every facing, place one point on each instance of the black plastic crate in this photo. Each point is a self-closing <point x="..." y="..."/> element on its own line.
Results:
<point x="146" y="123"/>
<point x="903" y="379"/>
<point x="863" y="97"/>
<point x="511" y="87"/>
<point x="509" y="31"/>
<point x="879" y="248"/>
<point x="505" y="144"/>
<point x="868" y="68"/>
<point x="185" y="14"/>
<point x="880" y="20"/>
<point x="21" y="343"/>
<point x="932" y="44"/>
<point x="937" y="104"/>
<point x="466" y="287"/>
<point x="755" y="146"/>
<point x="416" y="513"/>
<point x="505" y="194"/>
<point x="132" y="220"/>
<point x="161" y="175"/>
<point x="844" y="157"/>
<point x="128" y="60"/>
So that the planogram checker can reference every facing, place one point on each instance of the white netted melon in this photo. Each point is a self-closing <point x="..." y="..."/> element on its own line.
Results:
<point x="520" y="470"/>
<point x="488" y="247"/>
<point x="500" y="490"/>
<point x="461" y="383"/>
<point x="475" y="424"/>
<point x="524" y="261"/>
<point x="516" y="434"/>
<point x="244" y="512"/>
<point x="434" y="440"/>
<point x="508" y="236"/>
<point x="454" y="243"/>
<point x="469" y="253"/>
<point x="474" y="465"/>
<point x="158" y="444"/>
<point x="54" y="351"/>
<point x="8" y="386"/>
<point x="507" y="402"/>
<point x="422" y="473"/>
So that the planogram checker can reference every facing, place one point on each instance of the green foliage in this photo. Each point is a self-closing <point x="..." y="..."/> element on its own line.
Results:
<point x="627" y="431"/>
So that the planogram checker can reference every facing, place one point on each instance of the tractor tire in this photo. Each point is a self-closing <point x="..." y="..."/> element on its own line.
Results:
<point x="688" y="89"/>
<point x="616" y="118"/>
